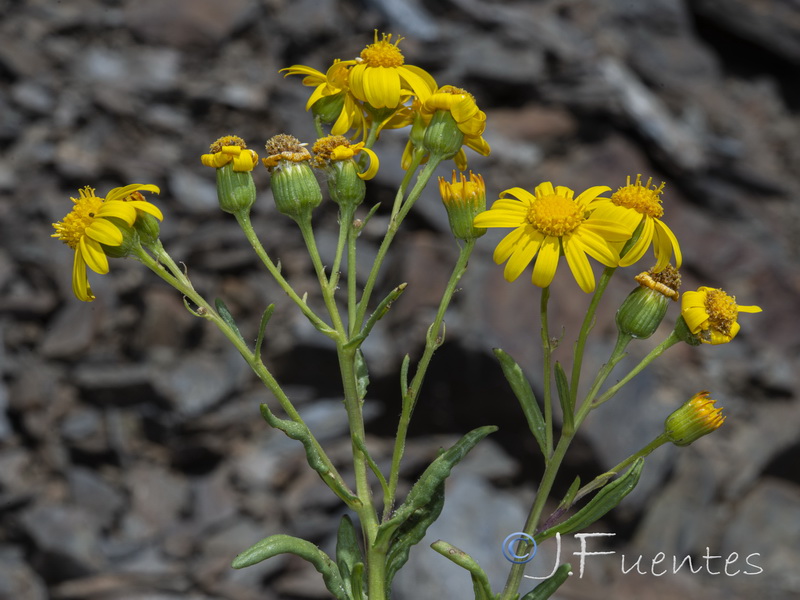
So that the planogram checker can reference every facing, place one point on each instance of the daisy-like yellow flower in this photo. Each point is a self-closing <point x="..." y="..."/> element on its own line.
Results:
<point x="230" y="149"/>
<point x="381" y="78"/>
<point x="712" y="315"/>
<point x="331" y="98"/>
<point x="550" y="222"/>
<point x="635" y="203"/>
<point x="90" y="225"/>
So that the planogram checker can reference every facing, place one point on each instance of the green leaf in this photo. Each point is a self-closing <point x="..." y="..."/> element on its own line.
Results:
<point x="524" y="393"/>
<point x="377" y="315"/>
<point x="287" y="544"/>
<point x="223" y="312"/>
<point x="404" y="375"/>
<point x="262" y="327"/>
<point x="425" y="489"/>
<point x="362" y="375"/>
<point x="566" y="502"/>
<point x="564" y="398"/>
<point x="348" y="556"/>
<point x="480" y="582"/>
<point x="602" y="502"/>
<point x="548" y="587"/>
<point x="410" y="533"/>
<point x="314" y="457"/>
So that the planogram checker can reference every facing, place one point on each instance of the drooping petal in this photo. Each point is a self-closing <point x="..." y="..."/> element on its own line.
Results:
<point x="641" y="245"/>
<point x="578" y="263"/>
<point x="506" y="246"/>
<point x="665" y="245"/>
<point x="382" y="87"/>
<point x="80" y="282"/>
<point x="597" y="247"/>
<point x="521" y="194"/>
<point x="93" y="254"/>
<point x="147" y="207"/>
<point x="546" y="263"/>
<point x="419" y="80"/>
<point x="373" y="165"/>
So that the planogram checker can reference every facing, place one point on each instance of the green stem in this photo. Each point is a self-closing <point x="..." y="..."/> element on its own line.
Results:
<point x="547" y="350"/>
<point x="602" y="479"/>
<point x="670" y="341"/>
<point x="433" y="340"/>
<point x="394" y="225"/>
<point x="588" y="322"/>
<point x="177" y="279"/>
<point x="243" y="219"/>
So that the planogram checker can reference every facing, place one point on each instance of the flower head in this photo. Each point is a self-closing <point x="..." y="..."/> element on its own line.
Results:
<point x="464" y="199"/>
<point x="633" y="204"/>
<point x="643" y="310"/>
<point x="711" y="315"/>
<point x="294" y="187"/>
<point x="335" y="148"/>
<point x="230" y="149"/>
<point x="332" y="99"/>
<point x="550" y="222"/>
<point x="469" y="120"/>
<point x="696" y="418"/>
<point x="95" y="223"/>
<point x="381" y="78"/>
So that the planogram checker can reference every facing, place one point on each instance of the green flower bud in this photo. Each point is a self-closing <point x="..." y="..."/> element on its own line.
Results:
<point x="236" y="190"/>
<point x="696" y="418"/>
<point x="130" y="240"/>
<point x="643" y="310"/>
<point x="294" y="186"/>
<point x="443" y="137"/>
<point x="328" y="108"/>
<point x="147" y="227"/>
<point x="464" y="200"/>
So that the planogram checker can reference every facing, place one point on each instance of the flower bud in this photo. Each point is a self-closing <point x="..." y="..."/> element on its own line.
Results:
<point x="643" y="310"/>
<point x="443" y="137"/>
<point x="236" y="191"/>
<point x="335" y="155"/>
<point x="464" y="200"/>
<point x="696" y="418"/>
<point x="294" y="186"/>
<point x="328" y="108"/>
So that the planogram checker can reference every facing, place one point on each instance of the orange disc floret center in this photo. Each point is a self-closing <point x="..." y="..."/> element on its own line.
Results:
<point x="722" y="310"/>
<point x="554" y="215"/>
<point x="73" y="227"/>
<point x="644" y="199"/>
<point x="383" y="53"/>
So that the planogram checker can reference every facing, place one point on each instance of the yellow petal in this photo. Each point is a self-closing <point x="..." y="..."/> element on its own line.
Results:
<point x="667" y="244"/>
<point x="641" y="245"/>
<point x="148" y="208"/>
<point x="597" y="247"/>
<point x="517" y="192"/>
<point x="105" y="232"/>
<point x="748" y="309"/>
<point x="121" y="210"/>
<point x="121" y="192"/>
<point x="578" y="263"/>
<point x="93" y="255"/>
<point x="586" y="197"/>
<point x="382" y="87"/>
<point x="373" y="165"/>
<point x="506" y="246"/>
<point x="545" y="268"/>
<point x="521" y="258"/>
<point x="80" y="282"/>
<point x="499" y="218"/>
<point x="419" y="80"/>
<point x="544" y="189"/>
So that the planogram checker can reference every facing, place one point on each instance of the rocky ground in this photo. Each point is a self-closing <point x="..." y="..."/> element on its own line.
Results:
<point x="133" y="463"/>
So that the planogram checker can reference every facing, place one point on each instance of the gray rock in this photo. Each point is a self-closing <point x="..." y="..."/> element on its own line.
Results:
<point x="17" y="578"/>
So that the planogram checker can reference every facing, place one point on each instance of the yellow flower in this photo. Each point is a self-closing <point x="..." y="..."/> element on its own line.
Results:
<point x="711" y="315"/>
<point x="381" y="78"/>
<point x="470" y="120"/>
<point x="332" y="98"/>
<point x="90" y="225"/>
<point x="635" y="203"/>
<point x="230" y="149"/>
<point x="549" y="223"/>
<point x="464" y="200"/>
<point x="696" y="418"/>
<point x="335" y="148"/>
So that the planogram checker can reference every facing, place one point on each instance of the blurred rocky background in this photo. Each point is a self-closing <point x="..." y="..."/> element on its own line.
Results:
<point x="133" y="463"/>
